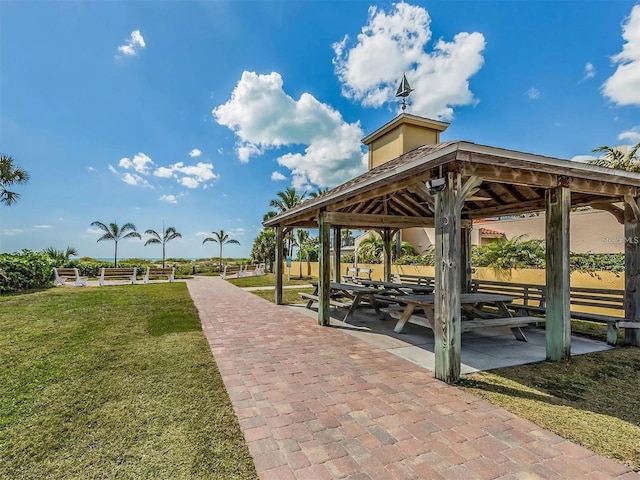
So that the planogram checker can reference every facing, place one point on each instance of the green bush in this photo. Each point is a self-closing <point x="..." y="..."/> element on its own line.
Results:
<point x="25" y="270"/>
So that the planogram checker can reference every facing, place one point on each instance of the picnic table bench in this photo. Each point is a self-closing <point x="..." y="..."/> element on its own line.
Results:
<point x="128" y="273"/>
<point x="531" y="300"/>
<point x="159" y="272"/>
<point x="61" y="275"/>
<point x="357" y="274"/>
<point x="346" y="295"/>
<point x="471" y="305"/>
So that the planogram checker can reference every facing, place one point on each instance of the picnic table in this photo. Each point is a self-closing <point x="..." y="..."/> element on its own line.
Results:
<point x="473" y="315"/>
<point x="395" y="288"/>
<point x="354" y="294"/>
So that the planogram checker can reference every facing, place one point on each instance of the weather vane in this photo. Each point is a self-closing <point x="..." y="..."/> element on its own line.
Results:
<point x="404" y="90"/>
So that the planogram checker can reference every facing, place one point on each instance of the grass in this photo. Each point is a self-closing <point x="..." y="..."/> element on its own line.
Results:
<point x="113" y="382"/>
<point x="269" y="280"/>
<point x="290" y="296"/>
<point x="592" y="399"/>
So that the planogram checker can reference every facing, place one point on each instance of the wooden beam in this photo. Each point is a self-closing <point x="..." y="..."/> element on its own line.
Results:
<point x="558" y="324"/>
<point x="386" y="238"/>
<point x="546" y="178"/>
<point x="465" y="259"/>
<point x="447" y="332"/>
<point x="377" y="221"/>
<point x="530" y="206"/>
<point x="324" y="277"/>
<point x="614" y="210"/>
<point x="633" y="203"/>
<point x="336" y="253"/>
<point x="631" y="272"/>
<point x="279" y="267"/>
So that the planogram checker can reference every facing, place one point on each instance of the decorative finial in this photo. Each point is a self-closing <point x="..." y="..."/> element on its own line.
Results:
<point x="404" y="90"/>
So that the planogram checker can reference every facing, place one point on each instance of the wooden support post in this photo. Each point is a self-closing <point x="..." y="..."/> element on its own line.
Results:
<point x="279" y="260"/>
<point x="447" y="282"/>
<point x="465" y="259"/>
<point x="324" y="278"/>
<point x="386" y="237"/>
<point x="336" y="254"/>
<point x="558" y="324"/>
<point x="631" y="272"/>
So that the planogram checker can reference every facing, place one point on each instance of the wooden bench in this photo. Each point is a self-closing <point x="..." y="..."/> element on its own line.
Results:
<point x="249" y="271"/>
<point x="531" y="299"/>
<point x="230" y="270"/>
<point x="61" y="275"/>
<point x="333" y="302"/>
<point x="110" y="273"/>
<point x="357" y="273"/>
<point x="160" y="272"/>
<point x="415" y="279"/>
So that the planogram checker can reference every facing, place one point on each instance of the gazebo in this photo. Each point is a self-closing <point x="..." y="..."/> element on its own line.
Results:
<point x="446" y="185"/>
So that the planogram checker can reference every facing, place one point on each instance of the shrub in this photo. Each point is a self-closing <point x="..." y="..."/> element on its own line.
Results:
<point x="25" y="270"/>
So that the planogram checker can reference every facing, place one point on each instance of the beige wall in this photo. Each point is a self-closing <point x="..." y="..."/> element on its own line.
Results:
<point x="385" y="148"/>
<point x="414" y="136"/>
<point x="608" y="280"/>
<point x="592" y="231"/>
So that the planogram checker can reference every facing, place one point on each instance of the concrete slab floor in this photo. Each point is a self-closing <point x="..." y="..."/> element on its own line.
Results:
<point x="481" y="349"/>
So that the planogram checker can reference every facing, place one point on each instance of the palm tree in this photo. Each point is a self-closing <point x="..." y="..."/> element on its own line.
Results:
<point x="319" y="192"/>
<point x="116" y="233"/>
<point x="9" y="175"/>
<point x="222" y="239"/>
<point x="264" y="247"/>
<point x="169" y="234"/>
<point x="286" y="200"/>
<point x="301" y="238"/>
<point x="615" y="158"/>
<point x="61" y="257"/>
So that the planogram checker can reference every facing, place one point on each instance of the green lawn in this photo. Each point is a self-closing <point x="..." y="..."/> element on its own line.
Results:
<point x="113" y="382"/>
<point x="592" y="399"/>
<point x="270" y="280"/>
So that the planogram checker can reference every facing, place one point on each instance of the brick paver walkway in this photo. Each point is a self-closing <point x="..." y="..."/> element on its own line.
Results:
<point x="316" y="403"/>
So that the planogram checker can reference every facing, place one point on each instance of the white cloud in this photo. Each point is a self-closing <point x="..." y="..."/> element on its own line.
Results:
<point x="169" y="198"/>
<point x="163" y="172"/>
<point x="135" y="180"/>
<point x="91" y="169"/>
<point x="195" y="153"/>
<point x="133" y="44"/>
<point x="202" y="234"/>
<point x="277" y="176"/>
<point x="263" y="117"/>
<point x="141" y="163"/>
<point x="533" y="93"/>
<point x="589" y="72"/>
<point x="190" y="176"/>
<point x="582" y="158"/>
<point x="10" y="232"/>
<point x="623" y="87"/>
<point x="395" y="42"/>
<point x="111" y="169"/>
<point x="189" y="182"/>
<point x="95" y="231"/>
<point x="42" y="227"/>
<point x="632" y="135"/>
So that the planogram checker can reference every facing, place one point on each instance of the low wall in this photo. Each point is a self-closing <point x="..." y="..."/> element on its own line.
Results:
<point x="608" y="280"/>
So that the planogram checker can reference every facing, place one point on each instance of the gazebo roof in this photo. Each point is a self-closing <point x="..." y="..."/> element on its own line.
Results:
<point x="394" y="194"/>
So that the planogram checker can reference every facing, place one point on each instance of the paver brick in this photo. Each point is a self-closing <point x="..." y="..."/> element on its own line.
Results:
<point x="318" y="403"/>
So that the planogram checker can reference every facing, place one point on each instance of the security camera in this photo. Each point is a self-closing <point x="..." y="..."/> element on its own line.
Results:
<point x="436" y="185"/>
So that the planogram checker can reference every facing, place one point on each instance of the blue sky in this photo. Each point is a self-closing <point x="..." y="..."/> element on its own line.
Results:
<point x="198" y="113"/>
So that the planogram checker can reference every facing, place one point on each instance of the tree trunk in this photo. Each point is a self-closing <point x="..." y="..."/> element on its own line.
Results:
<point x="163" y="255"/>
<point x="115" y="256"/>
